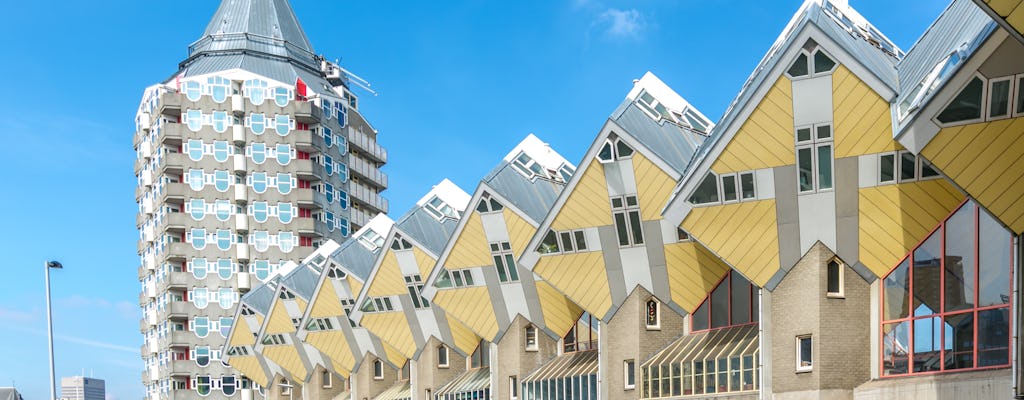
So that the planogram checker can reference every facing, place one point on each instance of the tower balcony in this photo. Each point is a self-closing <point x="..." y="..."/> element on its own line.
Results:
<point x="173" y="163"/>
<point x="171" y="134"/>
<point x="368" y="197"/>
<point x="367" y="145"/>
<point x="174" y="223"/>
<point x="367" y="171"/>
<point x="309" y="198"/>
<point x="170" y="104"/>
<point x="307" y="112"/>
<point x="177" y="251"/>
<point x="310" y="227"/>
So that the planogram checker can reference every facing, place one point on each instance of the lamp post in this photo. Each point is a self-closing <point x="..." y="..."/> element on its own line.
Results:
<point x="49" y="325"/>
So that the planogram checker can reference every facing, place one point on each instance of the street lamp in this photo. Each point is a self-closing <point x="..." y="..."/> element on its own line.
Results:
<point x="49" y="325"/>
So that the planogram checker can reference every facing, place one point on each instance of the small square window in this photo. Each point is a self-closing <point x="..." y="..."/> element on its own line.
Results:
<point x="804" y="361"/>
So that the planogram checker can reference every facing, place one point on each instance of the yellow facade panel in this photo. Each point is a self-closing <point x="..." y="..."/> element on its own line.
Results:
<point x="464" y="338"/>
<point x="692" y="272"/>
<point x="766" y="138"/>
<point x="743" y="234"/>
<point x="334" y="345"/>
<point x="326" y="303"/>
<point x="470" y="248"/>
<point x="388" y="281"/>
<point x="861" y="118"/>
<point x="894" y="218"/>
<point x="250" y="367"/>
<point x="424" y="261"/>
<point x="355" y="284"/>
<point x="279" y="322"/>
<point x="519" y="231"/>
<point x="392" y="355"/>
<point x="653" y="187"/>
<point x="560" y="313"/>
<point x="1004" y="7"/>
<point x="287" y="356"/>
<point x="472" y="306"/>
<point x="588" y="204"/>
<point x="984" y="159"/>
<point x="241" y="335"/>
<point x="580" y="276"/>
<point x="393" y="328"/>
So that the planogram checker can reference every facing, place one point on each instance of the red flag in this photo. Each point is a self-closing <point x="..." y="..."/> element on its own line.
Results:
<point x="300" y="89"/>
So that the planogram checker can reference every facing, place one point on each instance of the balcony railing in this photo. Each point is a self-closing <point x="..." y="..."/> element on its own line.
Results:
<point x="368" y="171"/>
<point x="367" y="145"/>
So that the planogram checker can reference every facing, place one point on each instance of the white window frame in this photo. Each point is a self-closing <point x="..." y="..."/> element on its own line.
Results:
<point x="513" y="387"/>
<point x="326" y="380"/>
<point x="526" y="338"/>
<point x="984" y="103"/>
<point x="378" y="370"/>
<point x="842" y="285"/>
<point x="1015" y="95"/>
<point x="799" y="354"/>
<point x="627" y="210"/>
<point x="447" y="356"/>
<point x="735" y="185"/>
<point x="628" y="380"/>
<point x="739" y="185"/>
<point x="657" y="317"/>
<point x="988" y="93"/>
<point x="501" y="256"/>
<point x="813" y="144"/>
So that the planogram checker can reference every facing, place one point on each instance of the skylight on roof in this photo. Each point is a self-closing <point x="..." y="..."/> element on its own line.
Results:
<point x="657" y="110"/>
<point x="930" y="82"/>
<point x="371" y="240"/>
<point x="855" y="24"/>
<point x="440" y="210"/>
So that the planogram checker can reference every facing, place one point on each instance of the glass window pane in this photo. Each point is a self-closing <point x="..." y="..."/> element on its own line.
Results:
<point x="1020" y="96"/>
<point x="510" y="263"/>
<point x="566" y="241"/>
<point x="634" y="225"/>
<point x="720" y="305"/>
<point x="501" y="268"/>
<point x="927" y="341"/>
<point x="825" y="167"/>
<point x="799" y="67"/>
<point x="908" y="163"/>
<point x="707" y="192"/>
<point x="994" y="265"/>
<point x="927" y="275"/>
<point x="729" y="188"/>
<point x="699" y="319"/>
<point x="747" y="186"/>
<point x="803" y="134"/>
<point x="959" y="342"/>
<point x="620" y="226"/>
<point x="966" y="105"/>
<point x="740" y="299"/>
<point x="896" y="293"/>
<point x="999" y="99"/>
<point x="959" y="259"/>
<point x="993" y="337"/>
<point x="805" y="166"/>
<point x="822" y="63"/>
<point x="887" y="168"/>
<point x="824" y="131"/>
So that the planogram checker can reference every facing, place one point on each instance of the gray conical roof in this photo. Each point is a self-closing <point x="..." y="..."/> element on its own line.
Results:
<point x="264" y="18"/>
<point x="260" y="36"/>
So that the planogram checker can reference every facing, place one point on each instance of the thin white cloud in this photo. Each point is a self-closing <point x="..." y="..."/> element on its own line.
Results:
<point x="9" y="315"/>
<point x="622" y="23"/>
<point x="96" y="343"/>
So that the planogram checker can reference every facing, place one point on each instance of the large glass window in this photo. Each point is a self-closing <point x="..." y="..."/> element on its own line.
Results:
<point x="224" y="268"/>
<point x="259" y="211"/>
<point x="225" y="298"/>
<point x="282" y="124"/>
<point x="257" y="123"/>
<point x="222" y="209"/>
<point x="223" y="239"/>
<point x="255" y="90"/>
<point x="966" y="106"/>
<point x="814" y="158"/>
<point x="732" y="302"/>
<point x="946" y="306"/>
<point x="221" y="150"/>
<point x="194" y="148"/>
<point x="284" y="183"/>
<point x="262" y="269"/>
<point x="196" y="209"/>
<point x="286" y="241"/>
<point x="505" y="262"/>
<point x="221" y="180"/>
<point x="626" y="213"/>
<point x="258" y="152"/>
<point x="192" y="90"/>
<point x="583" y="335"/>
<point x="218" y="88"/>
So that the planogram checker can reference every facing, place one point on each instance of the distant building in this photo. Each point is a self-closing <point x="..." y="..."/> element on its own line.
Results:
<point x="78" y="388"/>
<point x="9" y="393"/>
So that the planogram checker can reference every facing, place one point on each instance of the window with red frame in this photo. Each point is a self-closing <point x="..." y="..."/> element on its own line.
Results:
<point x="946" y="305"/>
<point x="582" y="336"/>
<point x="304" y="184"/>
<point x="733" y="302"/>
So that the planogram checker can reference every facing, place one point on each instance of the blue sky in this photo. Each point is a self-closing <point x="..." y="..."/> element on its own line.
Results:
<point x="459" y="82"/>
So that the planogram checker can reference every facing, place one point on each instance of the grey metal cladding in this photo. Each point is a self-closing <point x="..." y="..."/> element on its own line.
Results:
<point x="674" y="145"/>
<point x="302" y="280"/>
<point x="534" y="198"/>
<point x="251" y="16"/>
<point x="422" y="227"/>
<point x="879" y="63"/>
<point x="355" y="258"/>
<point x="260" y="298"/>
<point x="962" y="22"/>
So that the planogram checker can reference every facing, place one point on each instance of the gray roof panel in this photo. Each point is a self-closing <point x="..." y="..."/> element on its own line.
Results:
<point x="260" y="298"/>
<point x="673" y="144"/>
<point x="422" y="227"/>
<point x="963" y="23"/>
<point x="356" y="258"/>
<point x="266" y="18"/>
<point x="534" y="198"/>
<point x="302" y="280"/>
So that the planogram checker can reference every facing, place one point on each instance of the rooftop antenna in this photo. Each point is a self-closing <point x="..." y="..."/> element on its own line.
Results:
<point x="360" y="82"/>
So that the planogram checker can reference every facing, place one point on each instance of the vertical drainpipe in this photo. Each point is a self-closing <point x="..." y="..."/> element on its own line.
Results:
<point x="601" y="344"/>
<point x="760" y="343"/>
<point x="1014" y="326"/>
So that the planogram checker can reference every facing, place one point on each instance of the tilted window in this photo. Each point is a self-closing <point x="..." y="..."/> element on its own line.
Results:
<point x="505" y="262"/>
<point x="628" y="225"/>
<point x="733" y="302"/>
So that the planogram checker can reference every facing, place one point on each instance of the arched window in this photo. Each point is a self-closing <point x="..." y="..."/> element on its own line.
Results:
<point x="652" y="317"/>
